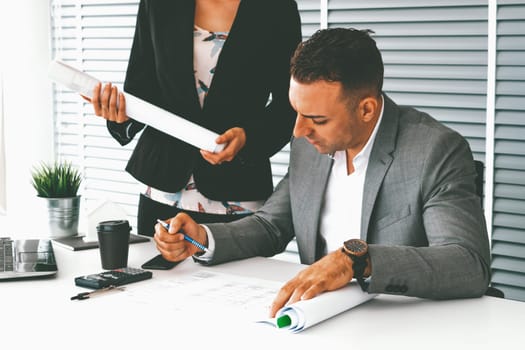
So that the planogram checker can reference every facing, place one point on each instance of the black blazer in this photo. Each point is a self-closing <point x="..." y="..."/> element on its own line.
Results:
<point x="253" y="64"/>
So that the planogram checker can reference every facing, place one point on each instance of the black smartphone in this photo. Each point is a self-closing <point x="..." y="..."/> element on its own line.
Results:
<point x="159" y="263"/>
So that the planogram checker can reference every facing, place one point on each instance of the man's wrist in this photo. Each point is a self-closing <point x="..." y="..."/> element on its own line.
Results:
<point x="368" y="268"/>
<point x="209" y="243"/>
<point x="357" y="251"/>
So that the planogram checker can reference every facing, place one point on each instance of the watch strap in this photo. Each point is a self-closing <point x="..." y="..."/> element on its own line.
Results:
<point x="359" y="266"/>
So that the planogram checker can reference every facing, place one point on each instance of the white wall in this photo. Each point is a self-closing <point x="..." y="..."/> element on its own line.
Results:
<point x="27" y="105"/>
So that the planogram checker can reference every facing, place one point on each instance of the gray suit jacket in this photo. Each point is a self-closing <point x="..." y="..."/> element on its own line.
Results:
<point x="420" y="212"/>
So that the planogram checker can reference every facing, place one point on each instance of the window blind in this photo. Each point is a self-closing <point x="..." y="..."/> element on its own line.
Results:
<point x="508" y="237"/>
<point x="435" y="56"/>
<point x="3" y="190"/>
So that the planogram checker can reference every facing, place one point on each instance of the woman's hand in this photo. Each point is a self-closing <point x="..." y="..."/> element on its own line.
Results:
<point x="234" y="138"/>
<point x="105" y="103"/>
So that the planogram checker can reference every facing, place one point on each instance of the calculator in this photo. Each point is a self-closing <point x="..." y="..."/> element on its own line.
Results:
<point x="116" y="277"/>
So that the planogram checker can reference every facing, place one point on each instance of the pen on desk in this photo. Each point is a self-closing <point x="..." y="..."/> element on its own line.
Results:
<point x="87" y="295"/>
<point x="186" y="237"/>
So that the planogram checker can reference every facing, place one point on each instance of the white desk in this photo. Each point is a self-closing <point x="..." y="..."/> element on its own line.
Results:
<point x="386" y="322"/>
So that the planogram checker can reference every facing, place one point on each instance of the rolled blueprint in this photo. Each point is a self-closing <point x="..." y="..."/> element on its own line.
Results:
<point x="139" y="109"/>
<point x="304" y="314"/>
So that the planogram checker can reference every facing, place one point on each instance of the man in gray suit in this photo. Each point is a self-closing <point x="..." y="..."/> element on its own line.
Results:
<point x="374" y="191"/>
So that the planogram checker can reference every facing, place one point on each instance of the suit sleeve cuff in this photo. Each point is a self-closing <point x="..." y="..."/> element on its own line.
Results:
<point x="207" y="256"/>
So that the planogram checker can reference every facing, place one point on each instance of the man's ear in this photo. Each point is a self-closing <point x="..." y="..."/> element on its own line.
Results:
<point x="369" y="108"/>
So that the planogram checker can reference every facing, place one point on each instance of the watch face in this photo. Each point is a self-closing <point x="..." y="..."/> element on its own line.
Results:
<point x="356" y="246"/>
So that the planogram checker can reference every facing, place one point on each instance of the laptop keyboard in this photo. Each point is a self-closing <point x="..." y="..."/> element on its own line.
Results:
<point x="6" y="254"/>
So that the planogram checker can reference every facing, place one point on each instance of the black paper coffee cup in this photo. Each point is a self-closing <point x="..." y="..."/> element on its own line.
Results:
<point x="113" y="240"/>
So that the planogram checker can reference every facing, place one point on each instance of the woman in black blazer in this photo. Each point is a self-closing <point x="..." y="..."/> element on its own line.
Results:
<point x="215" y="63"/>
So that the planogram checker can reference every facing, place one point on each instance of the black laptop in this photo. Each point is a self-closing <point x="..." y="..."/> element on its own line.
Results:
<point x="26" y="258"/>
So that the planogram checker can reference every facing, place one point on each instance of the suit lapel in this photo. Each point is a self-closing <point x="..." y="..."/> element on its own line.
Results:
<point x="174" y="34"/>
<point x="318" y="188"/>
<point x="312" y="172"/>
<point x="380" y="160"/>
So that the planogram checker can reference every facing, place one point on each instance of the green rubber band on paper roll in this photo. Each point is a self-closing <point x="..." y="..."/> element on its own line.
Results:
<point x="284" y="321"/>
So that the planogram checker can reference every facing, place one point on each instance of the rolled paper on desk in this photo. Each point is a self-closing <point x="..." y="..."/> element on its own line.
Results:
<point x="139" y="109"/>
<point x="304" y="314"/>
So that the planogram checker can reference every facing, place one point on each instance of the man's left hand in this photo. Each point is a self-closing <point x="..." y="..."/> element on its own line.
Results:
<point x="332" y="272"/>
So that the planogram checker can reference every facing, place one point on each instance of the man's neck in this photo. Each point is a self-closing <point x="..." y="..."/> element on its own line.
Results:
<point x="351" y="153"/>
<point x="349" y="162"/>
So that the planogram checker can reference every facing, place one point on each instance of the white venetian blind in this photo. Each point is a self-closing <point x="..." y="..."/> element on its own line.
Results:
<point x="435" y="56"/>
<point x="3" y="190"/>
<point x="508" y="238"/>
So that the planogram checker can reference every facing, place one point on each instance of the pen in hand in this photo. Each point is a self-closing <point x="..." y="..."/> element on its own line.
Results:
<point x="186" y="237"/>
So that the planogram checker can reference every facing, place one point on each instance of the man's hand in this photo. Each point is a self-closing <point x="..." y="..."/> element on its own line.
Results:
<point x="332" y="272"/>
<point x="171" y="244"/>
<point x="234" y="138"/>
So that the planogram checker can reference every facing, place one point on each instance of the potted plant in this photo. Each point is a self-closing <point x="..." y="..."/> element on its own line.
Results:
<point x="58" y="183"/>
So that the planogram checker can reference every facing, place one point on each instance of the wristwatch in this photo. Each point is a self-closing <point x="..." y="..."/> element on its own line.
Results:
<point x="357" y="250"/>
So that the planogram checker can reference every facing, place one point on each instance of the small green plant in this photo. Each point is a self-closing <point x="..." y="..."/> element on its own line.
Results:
<point x="56" y="180"/>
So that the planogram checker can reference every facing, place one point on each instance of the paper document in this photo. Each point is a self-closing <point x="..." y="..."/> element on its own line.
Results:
<point x="209" y="293"/>
<point x="306" y="313"/>
<point x="139" y="109"/>
<point x="245" y="299"/>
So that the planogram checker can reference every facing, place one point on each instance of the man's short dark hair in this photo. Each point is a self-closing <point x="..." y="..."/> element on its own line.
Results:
<point x="345" y="55"/>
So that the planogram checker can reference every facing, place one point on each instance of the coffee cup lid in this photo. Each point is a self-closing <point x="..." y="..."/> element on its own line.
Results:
<point x="113" y="225"/>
